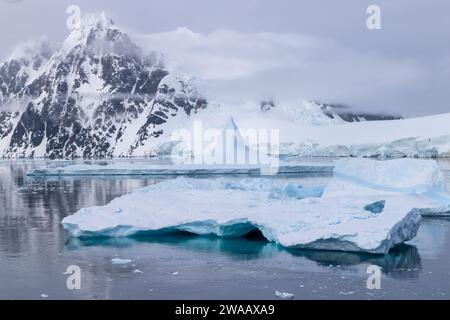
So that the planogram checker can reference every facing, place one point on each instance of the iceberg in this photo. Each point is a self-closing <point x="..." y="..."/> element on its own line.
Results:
<point x="331" y="218"/>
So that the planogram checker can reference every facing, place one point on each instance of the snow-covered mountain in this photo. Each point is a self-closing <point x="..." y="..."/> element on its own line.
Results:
<point x="99" y="95"/>
<point x="96" y="93"/>
<point x="22" y="67"/>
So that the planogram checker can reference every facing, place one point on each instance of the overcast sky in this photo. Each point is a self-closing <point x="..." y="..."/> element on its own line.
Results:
<point x="287" y="49"/>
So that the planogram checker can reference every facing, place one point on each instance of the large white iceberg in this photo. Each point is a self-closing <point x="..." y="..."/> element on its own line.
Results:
<point x="368" y="206"/>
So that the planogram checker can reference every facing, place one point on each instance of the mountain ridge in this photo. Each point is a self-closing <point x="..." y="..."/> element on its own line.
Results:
<point x="99" y="95"/>
<point x="90" y="92"/>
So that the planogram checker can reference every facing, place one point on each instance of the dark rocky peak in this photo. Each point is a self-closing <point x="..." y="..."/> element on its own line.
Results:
<point x="348" y="114"/>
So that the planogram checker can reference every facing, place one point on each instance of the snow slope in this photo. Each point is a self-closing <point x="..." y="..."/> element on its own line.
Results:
<point x="334" y="220"/>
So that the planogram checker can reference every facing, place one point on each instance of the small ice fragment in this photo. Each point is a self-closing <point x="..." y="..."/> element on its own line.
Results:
<point x="137" y="271"/>
<point x="118" y="210"/>
<point x="347" y="293"/>
<point x="44" y="296"/>
<point x="175" y="273"/>
<point x="376" y="207"/>
<point x="284" y="295"/>
<point x="120" y="261"/>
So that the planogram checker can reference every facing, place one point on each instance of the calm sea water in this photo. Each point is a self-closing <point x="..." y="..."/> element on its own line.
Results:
<point x="35" y="252"/>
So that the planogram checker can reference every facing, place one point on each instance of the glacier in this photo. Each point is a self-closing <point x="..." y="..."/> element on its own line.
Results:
<point x="422" y="137"/>
<point x="333" y="218"/>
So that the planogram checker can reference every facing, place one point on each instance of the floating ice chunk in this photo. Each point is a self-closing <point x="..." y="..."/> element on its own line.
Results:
<point x="331" y="224"/>
<point x="284" y="295"/>
<point x="338" y="220"/>
<point x="376" y="207"/>
<point x="120" y="261"/>
<point x="137" y="271"/>
<point x="44" y="296"/>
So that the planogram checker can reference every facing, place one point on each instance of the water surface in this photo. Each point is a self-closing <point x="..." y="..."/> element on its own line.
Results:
<point x="35" y="252"/>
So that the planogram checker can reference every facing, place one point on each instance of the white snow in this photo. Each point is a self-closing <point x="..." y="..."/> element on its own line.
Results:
<point x="335" y="221"/>
<point x="306" y="131"/>
<point x="415" y="137"/>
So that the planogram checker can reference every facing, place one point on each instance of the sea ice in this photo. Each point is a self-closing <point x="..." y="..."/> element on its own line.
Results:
<point x="120" y="261"/>
<point x="284" y="295"/>
<point x="330" y="218"/>
<point x="120" y="169"/>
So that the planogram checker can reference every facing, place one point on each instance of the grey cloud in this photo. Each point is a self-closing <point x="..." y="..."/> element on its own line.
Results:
<point x="411" y="50"/>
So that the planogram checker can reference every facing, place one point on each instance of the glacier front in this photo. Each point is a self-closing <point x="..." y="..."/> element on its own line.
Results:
<point x="335" y="217"/>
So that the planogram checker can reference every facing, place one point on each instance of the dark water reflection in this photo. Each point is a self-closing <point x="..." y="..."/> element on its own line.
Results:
<point x="401" y="258"/>
<point x="35" y="251"/>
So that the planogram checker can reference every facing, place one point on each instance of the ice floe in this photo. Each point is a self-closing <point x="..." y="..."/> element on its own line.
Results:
<point x="173" y="169"/>
<point x="284" y="295"/>
<point x="120" y="261"/>
<point x="335" y="217"/>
